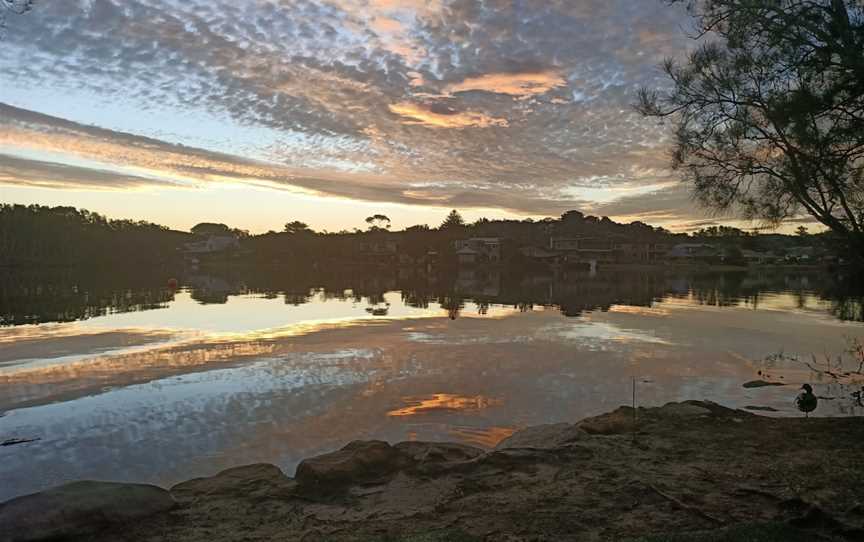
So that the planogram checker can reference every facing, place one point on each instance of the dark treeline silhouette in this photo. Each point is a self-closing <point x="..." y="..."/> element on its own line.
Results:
<point x="64" y="236"/>
<point x="39" y="235"/>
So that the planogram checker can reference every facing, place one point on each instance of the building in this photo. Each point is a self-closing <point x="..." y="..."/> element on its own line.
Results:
<point x="379" y="249"/>
<point x="211" y="244"/>
<point x="692" y="252"/>
<point x="584" y="249"/>
<point x="640" y="252"/>
<point x="478" y="250"/>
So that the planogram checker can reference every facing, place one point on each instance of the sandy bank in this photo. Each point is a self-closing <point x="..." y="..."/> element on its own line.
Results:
<point x="684" y="467"/>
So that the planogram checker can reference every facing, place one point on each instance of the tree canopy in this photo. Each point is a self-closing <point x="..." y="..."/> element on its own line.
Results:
<point x="210" y="228"/>
<point x="769" y="110"/>
<point x="36" y="234"/>
<point x="453" y="220"/>
<point x="378" y="222"/>
<point x="296" y="226"/>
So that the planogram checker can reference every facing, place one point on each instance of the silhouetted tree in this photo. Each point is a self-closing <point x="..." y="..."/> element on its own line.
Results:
<point x="378" y="222"/>
<point x="769" y="112"/>
<point x="453" y="220"/>
<point x="297" y="227"/>
<point x="40" y="235"/>
<point x="210" y="228"/>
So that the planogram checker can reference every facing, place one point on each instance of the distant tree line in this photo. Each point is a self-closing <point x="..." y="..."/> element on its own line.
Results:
<point x="41" y="235"/>
<point x="65" y="236"/>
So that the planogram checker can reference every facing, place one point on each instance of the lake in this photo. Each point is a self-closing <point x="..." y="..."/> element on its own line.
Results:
<point x="120" y="377"/>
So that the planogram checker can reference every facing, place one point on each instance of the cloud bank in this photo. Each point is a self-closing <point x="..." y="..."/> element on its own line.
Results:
<point x="523" y="106"/>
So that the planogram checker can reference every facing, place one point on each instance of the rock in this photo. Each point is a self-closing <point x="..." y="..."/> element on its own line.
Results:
<point x="79" y="509"/>
<point x="682" y="410"/>
<point x="761" y="408"/>
<point x="761" y="384"/>
<point x="543" y="436"/>
<point x="616" y="422"/>
<point x="257" y="481"/>
<point x="358" y="462"/>
<point x="435" y="457"/>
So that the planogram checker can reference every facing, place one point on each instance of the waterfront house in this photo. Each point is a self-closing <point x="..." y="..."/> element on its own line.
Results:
<point x="478" y="250"/>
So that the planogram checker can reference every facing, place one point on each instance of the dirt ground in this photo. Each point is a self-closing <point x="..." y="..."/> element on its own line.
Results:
<point x="690" y="466"/>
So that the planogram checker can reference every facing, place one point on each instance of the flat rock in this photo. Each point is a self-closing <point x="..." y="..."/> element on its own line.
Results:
<point x="761" y="384"/>
<point x="257" y="481"/>
<point x="613" y="423"/>
<point x="79" y="509"/>
<point x="361" y="461"/>
<point x="683" y="410"/>
<point x="543" y="436"/>
<point x="435" y="457"/>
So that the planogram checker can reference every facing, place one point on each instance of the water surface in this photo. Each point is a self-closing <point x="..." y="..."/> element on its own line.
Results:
<point x="133" y="381"/>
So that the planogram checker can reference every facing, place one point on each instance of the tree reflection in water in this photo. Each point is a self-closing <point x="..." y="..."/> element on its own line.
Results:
<point x="68" y="295"/>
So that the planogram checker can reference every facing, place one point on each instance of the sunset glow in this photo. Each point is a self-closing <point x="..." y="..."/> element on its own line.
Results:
<point x="263" y="111"/>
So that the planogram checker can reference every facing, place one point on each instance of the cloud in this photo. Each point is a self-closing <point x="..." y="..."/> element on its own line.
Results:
<point x="443" y="117"/>
<point x="36" y="173"/>
<point x="490" y="103"/>
<point x="520" y="85"/>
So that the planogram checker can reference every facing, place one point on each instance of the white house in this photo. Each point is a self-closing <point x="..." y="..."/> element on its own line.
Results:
<point x="212" y="244"/>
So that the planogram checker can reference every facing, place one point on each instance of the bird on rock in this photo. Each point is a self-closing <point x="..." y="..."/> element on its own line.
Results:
<point x="806" y="401"/>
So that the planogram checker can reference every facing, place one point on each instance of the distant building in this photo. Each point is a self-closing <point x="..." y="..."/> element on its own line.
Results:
<point x="379" y="249"/>
<point x="584" y="249"/>
<point x="478" y="250"/>
<point x="212" y="244"/>
<point x="640" y="252"/>
<point x="692" y="252"/>
<point x="757" y="257"/>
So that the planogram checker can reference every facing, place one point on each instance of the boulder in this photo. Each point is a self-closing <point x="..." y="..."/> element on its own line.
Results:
<point x="682" y="410"/>
<point x="257" y="481"/>
<point x="543" y="436"/>
<point x="616" y="422"/>
<point x="358" y="462"/>
<point x="435" y="457"/>
<point x="79" y="509"/>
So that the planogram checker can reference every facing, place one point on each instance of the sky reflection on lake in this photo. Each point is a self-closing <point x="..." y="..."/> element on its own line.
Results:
<point x="188" y="389"/>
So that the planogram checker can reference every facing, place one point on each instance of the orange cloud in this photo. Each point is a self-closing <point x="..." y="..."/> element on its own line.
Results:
<point x="521" y="85"/>
<point x="416" y="114"/>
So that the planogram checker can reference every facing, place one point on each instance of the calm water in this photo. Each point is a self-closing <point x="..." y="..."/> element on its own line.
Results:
<point x="122" y="378"/>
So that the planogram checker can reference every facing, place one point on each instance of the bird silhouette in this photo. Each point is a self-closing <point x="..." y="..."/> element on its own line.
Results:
<point x="806" y="401"/>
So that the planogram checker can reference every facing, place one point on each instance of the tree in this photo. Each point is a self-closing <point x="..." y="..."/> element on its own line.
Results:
<point x="378" y="222"/>
<point x="769" y="111"/>
<point x="802" y="231"/>
<point x="296" y="226"/>
<point x="453" y="220"/>
<point x="210" y="228"/>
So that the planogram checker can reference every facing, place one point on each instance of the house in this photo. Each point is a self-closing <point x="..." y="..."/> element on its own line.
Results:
<point x="801" y="255"/>
<point x="692" y="252"/>
<point x="640" y="252"/>
<point x="211" y="244"/>
<point x="478" y="250"/>
<point x="584" y="249"/>
<point x="379" y="249"/>
<point x="757" y="257"/>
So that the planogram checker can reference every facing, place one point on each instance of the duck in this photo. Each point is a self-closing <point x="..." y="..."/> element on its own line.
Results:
<point x="806" y="401"/>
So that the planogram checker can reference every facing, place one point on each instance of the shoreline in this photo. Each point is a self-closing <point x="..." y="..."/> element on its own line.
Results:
<point x="686" y="466"/>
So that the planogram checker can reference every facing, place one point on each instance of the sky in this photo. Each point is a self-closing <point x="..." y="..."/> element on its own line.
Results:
<point x="258" y="112"/>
